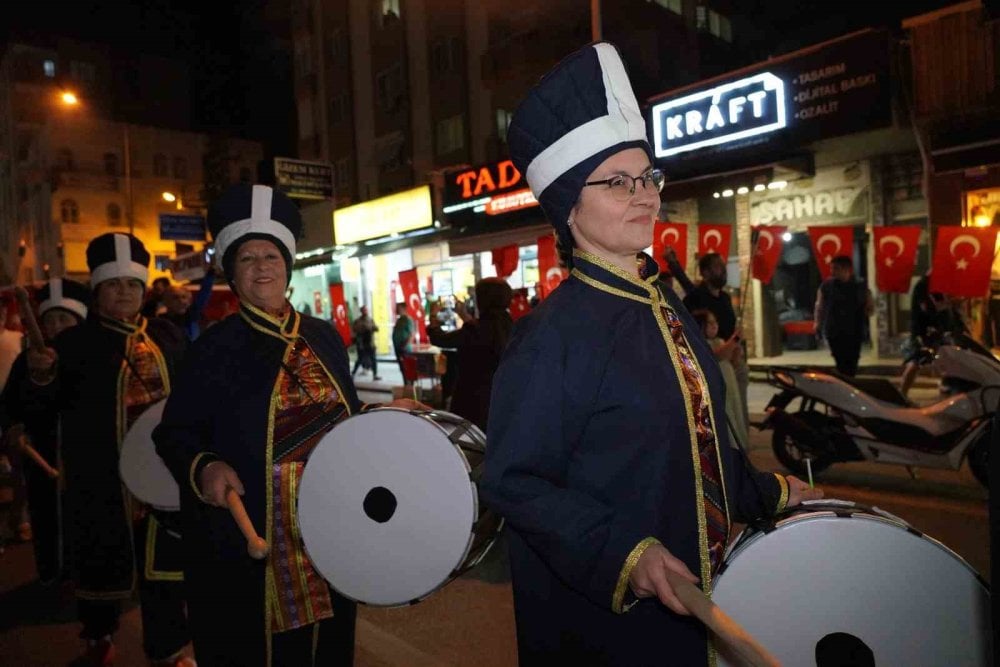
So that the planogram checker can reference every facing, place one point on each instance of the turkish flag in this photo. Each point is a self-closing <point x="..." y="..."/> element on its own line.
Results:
<point x="895" y="257"/>
<point x="519" y="306"/>
<point x="409" y="283"/>
<point x="341" y="322"/>
<point x="963" y="258"/>
<point x="714" y="238"/>
<point x="767" y="252"/>
<point x="670" y="235"/>
<point x="505" y="260"/>
<point x="550" y="274"/>
<point x="830" y="242"/>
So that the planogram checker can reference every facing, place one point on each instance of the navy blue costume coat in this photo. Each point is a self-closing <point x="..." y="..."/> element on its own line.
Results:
<point x="219" y="410"/>
<point x="591" y="457"/>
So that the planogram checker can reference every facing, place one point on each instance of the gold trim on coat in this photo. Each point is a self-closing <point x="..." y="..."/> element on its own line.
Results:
<point x="630" y="562"/>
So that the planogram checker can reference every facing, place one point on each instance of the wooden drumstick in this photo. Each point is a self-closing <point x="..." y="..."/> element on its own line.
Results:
<point x="32" y="453"/>
<point x="721" y="623"/>
<point x="256" y="546"/>
<point x="35" y="337"/>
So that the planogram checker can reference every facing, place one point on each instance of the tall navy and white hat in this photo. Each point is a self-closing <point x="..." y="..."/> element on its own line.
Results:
<point x="117" y="256"/>
<point x="245" y="212"/>
<point x="66" y="294"/>
<point x="581" y="113"/>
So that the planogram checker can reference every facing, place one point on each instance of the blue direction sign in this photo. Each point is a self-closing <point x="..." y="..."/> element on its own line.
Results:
<point x="182" y="227"/>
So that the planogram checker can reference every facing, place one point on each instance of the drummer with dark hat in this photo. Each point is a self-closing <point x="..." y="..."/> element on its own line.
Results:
<point x="257" y="393"/>
<point x="62" y="303"/>
<point x="98" y="378"/>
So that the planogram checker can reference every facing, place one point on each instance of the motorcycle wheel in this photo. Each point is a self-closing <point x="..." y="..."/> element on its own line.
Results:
<point x="790" y="454"/>
<point x="979" y="459"/>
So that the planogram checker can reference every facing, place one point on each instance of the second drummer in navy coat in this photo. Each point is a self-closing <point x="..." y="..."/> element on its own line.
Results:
<point x="257" y="393"/>
<point x="607" y="447"/>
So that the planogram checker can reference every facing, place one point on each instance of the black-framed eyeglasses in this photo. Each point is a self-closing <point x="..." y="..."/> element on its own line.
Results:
<point x="623" y="186"/>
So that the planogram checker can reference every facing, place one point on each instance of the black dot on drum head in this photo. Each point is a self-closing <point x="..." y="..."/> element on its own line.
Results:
<point x="840" y="649"/>
<point x="380" y="504"/>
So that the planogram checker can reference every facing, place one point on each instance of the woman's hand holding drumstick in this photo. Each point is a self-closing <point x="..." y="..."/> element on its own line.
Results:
<point x="221" y="486"/>
<point x="24" y="444"/>
<point x="660" y="574"/>
<point x="41" y="358"/>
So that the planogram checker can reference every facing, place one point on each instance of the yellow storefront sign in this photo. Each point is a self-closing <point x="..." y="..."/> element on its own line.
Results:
<point x="395" y="214"/>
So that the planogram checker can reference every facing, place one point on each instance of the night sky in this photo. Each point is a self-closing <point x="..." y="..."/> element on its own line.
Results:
<point x="240" y="60"/>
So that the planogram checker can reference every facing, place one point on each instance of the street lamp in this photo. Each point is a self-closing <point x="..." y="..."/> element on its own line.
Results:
<point x="70" y="99"/>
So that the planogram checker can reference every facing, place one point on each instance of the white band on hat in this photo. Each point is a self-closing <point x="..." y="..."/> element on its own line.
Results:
<point x="622" y="123"/>
<point x="259" y="222"/>
<point x="122" y="266"/>
<point x="57" y="300"/>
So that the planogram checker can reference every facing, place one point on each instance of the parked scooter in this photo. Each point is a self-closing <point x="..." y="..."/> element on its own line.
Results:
<point x="840" y="418"/>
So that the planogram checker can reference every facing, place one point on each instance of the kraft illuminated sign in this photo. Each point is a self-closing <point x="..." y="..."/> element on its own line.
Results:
<point x="726" y="113"/>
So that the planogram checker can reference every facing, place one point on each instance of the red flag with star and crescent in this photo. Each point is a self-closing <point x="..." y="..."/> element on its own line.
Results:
<point x="670" y="235"/>
<point x="963" y="258"/>
<point x="895" y="257"/>
<point x="767" y="252"/>
<point x="519" y="306"/>
<point x="830" y="242"/>
<point x="341" y="321"/>
<point x="550" y="274"/>
<point x="714" y="238"/>
<point x="410" y="285"/>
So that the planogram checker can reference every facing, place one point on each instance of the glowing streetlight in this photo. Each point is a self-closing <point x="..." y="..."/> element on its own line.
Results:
<point x="169" y="197"/>
<point x="69" y="98"/>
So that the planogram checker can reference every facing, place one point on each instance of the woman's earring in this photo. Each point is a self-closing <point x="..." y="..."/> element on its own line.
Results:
<point x="569" y="223"/>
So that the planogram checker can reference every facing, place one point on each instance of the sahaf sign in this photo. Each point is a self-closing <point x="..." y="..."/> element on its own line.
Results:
<point x="835" y="88"/>
<point x="486" y="194"/>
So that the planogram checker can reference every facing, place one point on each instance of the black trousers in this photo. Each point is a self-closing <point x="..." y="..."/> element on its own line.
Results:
<point x="43" y="508"/>
<point x="400" y="351"/>
<point x="369" y="355"/>
<point x="846" y="352"/>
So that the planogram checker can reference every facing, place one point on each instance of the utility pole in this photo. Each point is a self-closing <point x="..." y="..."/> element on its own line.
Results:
<point x="595" y="20"/>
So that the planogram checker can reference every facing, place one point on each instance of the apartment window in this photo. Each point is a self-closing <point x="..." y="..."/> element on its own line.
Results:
<point x="343" y="174"/>
<point x="445" y="55"/>
<point x="503" y="123"/>
<point x="339" y="107"/>
<point x="305" y="119"/>
<point x="725" y="29"/>
<point x="111" y="164"/>
<point x="69" y="212"/>
<point x="180" y="167"/>
<point x="450" y="135"/>
<point x="160" y="165"/>
<point x="81" y="71"/>
<point x="675" y="6"/>
<point x="338" y="46"/>
<point x="64" y="160"/>
<point x="49" y="67"/>
<point x="114" y="215"/>
<point x="388" y="11"/>
<point x="389" y="88"/>
<point x="389" y="151"/>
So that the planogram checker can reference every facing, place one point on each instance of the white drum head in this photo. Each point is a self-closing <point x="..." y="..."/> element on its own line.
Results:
<point x="386" y="507"/>
<point x="141" y="468"/>
<point x="909" y="599"/>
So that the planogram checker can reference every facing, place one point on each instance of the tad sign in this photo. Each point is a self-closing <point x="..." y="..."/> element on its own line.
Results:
<point x="725" y="113"/>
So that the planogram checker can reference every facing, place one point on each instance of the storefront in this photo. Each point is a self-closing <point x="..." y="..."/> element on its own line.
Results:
<point x="803" y="141"/>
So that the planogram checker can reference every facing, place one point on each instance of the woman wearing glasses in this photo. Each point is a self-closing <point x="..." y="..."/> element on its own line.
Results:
<point x="608" y="453"/>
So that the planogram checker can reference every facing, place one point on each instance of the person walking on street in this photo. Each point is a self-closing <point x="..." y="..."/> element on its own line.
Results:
<point x="402" y="337"/>
<point x="364" y="340"/>
<point x="842" y="305"/>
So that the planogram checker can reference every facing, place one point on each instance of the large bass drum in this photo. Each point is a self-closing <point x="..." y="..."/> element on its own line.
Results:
<point x="388" y="506"/>
<point x="145" y="474"/>
<point x="836" y="583"/>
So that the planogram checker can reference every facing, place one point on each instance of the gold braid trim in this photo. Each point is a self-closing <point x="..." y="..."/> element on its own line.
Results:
<point x="597" y="284"/>
<point x="192" y="480"/>
<point x="152" y="574"/>
<point x="783" y="498"/>
<point x="623" y="576"/>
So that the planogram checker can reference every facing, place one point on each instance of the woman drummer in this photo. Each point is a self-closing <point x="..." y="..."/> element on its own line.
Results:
<point x="608" y="453"/>
<point x="257" y="393"/>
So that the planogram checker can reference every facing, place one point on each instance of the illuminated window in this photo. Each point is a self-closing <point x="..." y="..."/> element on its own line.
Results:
<point x="450" y="135"/>
<point x="49" y="67"/>
<point x="503" y="123"/>
<point x="725" y="29"/>
<point x="69" y="212"/>
<point x="673" y="5"/>
<point x="111" y="164"/>
<point x="114" y="215"/>
<point x="388" y="11"/>
<point x="160" y="165"/>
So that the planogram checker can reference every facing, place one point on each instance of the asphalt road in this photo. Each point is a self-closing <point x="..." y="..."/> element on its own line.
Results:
<point x="470" y="621"/>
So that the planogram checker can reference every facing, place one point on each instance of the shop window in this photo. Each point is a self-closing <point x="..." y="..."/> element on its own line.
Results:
<point x="64" y="160"/>
<point x="160" y="165"/>
<point x="114" y="215"/>
<point x="389" y="88"/>
<point x="450" y="135"/>
<point x="111" y="164"/>
<point x="69" y="212"/>
<point x="503" y="123"/>
<point x="180" y="167"/>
